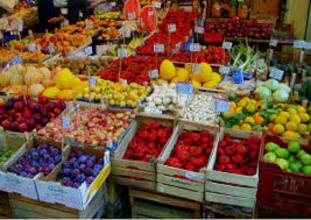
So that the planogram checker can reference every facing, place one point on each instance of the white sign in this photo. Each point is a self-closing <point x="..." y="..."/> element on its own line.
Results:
<point x="153" y="74"/>
<point x="196" y="68"/>
<point x="195" y="47"/>
<point x="227" y="45"/>
<point x="113" y="4"/>
<point x="66" y="122"/>
<point x="92" y="81"/>
<point x="276" y="73"/>
<point x="158" y="48"/>
<point x="132" y="15"/>
<point x="31" y="47"/>
<point x="171" y="28"/>
<point x="150" y="13"/>
<point x="224" y="70"/>
<point x="273" y="43"/>
<point x="122" y="53"/>
<point x="199" y="30"/>
<point x="299" y="44"/>
<point x="157" y="5"/>
<point x="89" y="24"/>
<point x="307" y="46"/>
<point x="88" y="51"/>
<point x="221" y="105"/>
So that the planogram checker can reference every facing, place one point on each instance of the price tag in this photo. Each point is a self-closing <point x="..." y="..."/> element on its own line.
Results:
<point x="157" y="5"/>
<point x="66" y="122"/>
<point x="92" y="81"/>
<point x="123" y="81"/>
<point x="113" y="4"/>
<point x="31" y="47"/>
<point x="199" y="30"/>
<point x="184" y="88"/>
<point x="221" y="105"/>
<point x="89" y="24"/>
<point x="196" y="68"/>
<point x="51" y="48"/>
<point x="224" y="70"/>
<point x="150" y="13"/>
<point x="195" y="47"/>
<point x="88" y="51"/>
<point x="64" y="11"/>
<point x="158" y="48"/>
<point x="171" y="28"/>
<point x="299" y="44"/>
<point x="227" y="45"/>
<point x="153" y="74"/>
<point x="122" y="53"/>
<point x="132" y="15"/>
<point x="273" y="42"/>
<point x="16" y="60"/>
<point x="20" y="25"/>
<point x="276" y="73"/>
<point x="307" y="46"/>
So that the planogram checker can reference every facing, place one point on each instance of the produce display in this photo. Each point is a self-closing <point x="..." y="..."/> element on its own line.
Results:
<point x="36" y="56"/>
<point x="39" y="159"/>
<point x="79" y="168"/>
<point x="136" y="41"/>
<point x="290" y="156"/>
<point x="25" y="114"/>
<point x="271" y="88"/>
<point x="148" y="142"/>
<point x="192" y="150"/>
<point x="5" y="154"/>
<point x="90" y="126"/>
<point x="238" y="156"/>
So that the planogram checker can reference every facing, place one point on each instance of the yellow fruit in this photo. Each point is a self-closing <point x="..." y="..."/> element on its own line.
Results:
<point x="246" y="127"/>
<point x="64" y="79"/>
<point x="249" y="120"/>
<point x="236" y="127"/>
<point x="216" y="77"/>
<point x="65" y="94"/>
<point x="291" y="134"/>
<point x="292" y="111"/>
<point x="182" y="74"/>
<point x="259" y="120"/>
<point x="175" y="80"/>
<point x="206" y="72"/>
<point x="188" y="67"/>
<point x="291" y="126"/>
<point x="304" y="117"/>
<point x="239" y="110"/>
<point x="167" y="70"/>
<point x="302" y="129"/>
<point x="51" y="92"/>
<point x="251" y="108"/>
<point x="196" y="84"/>
<point x="196" y="77"/>
<point x="295" y="118"/>
<point x="301" y="109"/>
<point x="280" y="120"/>
<point x="233" y="104"/>
<point x="210" y="85"/>
<point x="278" y="129"/>
<point x="284" y="114"/>
<point x="272" y="117"/>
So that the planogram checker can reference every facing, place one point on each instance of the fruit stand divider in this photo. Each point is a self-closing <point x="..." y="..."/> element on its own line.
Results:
<point x="144" y="176"/>
<point x="193" y="187"/>
<point x="284" y="191"/>
<point x="219" y="186"/>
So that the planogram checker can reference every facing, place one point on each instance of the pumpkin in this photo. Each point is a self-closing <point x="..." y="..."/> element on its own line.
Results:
<point x="31" y="78"/>
<point x="4" y="78"/>
<point x="35" y="89"/>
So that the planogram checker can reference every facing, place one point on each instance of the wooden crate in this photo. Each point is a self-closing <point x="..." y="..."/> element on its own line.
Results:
<point x="5" y="209"/>
<point x="150" y="204"/>
<point x="214" y="210"/>
<point x="131" y="172"/>
<point x="28" y="208"/>
<point x="219" y="186"/>
<point x="192" y="186"/>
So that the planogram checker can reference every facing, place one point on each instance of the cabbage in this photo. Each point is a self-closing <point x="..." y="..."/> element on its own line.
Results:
<point x="272" y="84"/>
<point x="263" y="92"/>
<point x="280" y="96"/>
<point x="284" y="87"/>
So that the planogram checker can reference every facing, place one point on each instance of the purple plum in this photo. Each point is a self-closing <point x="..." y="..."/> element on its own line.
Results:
<point x="89" y="163"/>
<point x="89" y="180"/>
<point x="83" y="159"/>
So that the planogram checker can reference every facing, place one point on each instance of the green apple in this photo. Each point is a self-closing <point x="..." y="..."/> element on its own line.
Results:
<point x="306" y="159"/>
<point x="282" y="163"/>
<point x="307" y="169"/>
<point x="295" y="167"/>
<point x="293" y="146"/>
<point x="292" y="159"/>
<point x="270" y="157"/>
<point x="271" y="147"/>
<point x="282" y="153"/>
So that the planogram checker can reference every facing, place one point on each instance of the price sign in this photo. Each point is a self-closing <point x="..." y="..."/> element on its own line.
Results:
<point x="123" y="81"/>
<point x="132" y="15"/>
<point x="276" y="73"/>
<point x="307" y="46"/>
<point x="196" y="68"/>
<point x="51" y="48"/>
<point x="16" y="60"/>
<point x="273" y="43"/>
<point x="89" y="24"/>
<point x="157" y="5"/>
<point x="153" y="74"/>
<point x="221" y="105"/>
<point x="199" y="30"/>
<point x="184" y="88"/>
<point x="31" y="47"/>
<point x="171" y="28"/>
<point x="227" y="45"/>
<point x="92" y="81"/>
<point x="158" y="48"/>
<point x="224" y="70"/>
<point x="66" y="122"/>
<point x="299" y="44"/>
<point x="150" y="13"/>
<point x="88" y="51"/>
<point x="122" y="53"/>
<point x="195" y="47"/>
<point x="113" y="4"/>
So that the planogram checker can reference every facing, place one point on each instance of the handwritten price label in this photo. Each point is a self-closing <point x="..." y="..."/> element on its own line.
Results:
<point x="153" y="74"/>
<point x="227" y="45"/>
<point x="196" y="68"/>
<point x="171" y="28"/>
<point x="276" y="73"/>
<point x="195" y="47"/>
<point x="122" y="53"/>
<point x="66" y="122"/>
<point x="150" y="13"/>
<point x="16" y="60"/>
<point x="224" y="70"/>
<point x="299" y="44"/>
<point x="158" y="48"/>
<point x="221" y="105"/>
<point x="89" y="24"/>
<point x="199" y="30"/>
<point x="307" y="46"/>
<point x="88" y="51"/>
<point x="31" y="47"/>
<point x="184" y="88"/>
<point x="92" y="81"/>
<point x="132" y="15"/>
<point x="273" y="43"/>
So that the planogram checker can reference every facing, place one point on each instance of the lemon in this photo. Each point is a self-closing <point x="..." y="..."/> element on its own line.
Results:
<point x="284" y="114"/>
<point x="196" y="84"/>
<point x="301" y="109"/>
<point x="278" y="129"/>
<point x="295" y="118"/>
<point x="272" y="117"/>
<point x="167" y="70"/>
<point x="251" y="108"/>
<point x="302" y="128"/>
<point x="182" y="74"/>
<point x="291" y="134"/>
<point x="280" y="120"/>
<point x="291" y="126"/>
<point x="246" y="127"/>
<point x="210" y="85"/>
<point x="292" y="111"/>
<point x="216" y="77"/>
<point x="249" y="120"/>
<point x="304" y="117"/>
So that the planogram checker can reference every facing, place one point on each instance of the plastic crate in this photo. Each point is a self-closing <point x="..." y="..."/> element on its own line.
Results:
<point x="281" y="190"/>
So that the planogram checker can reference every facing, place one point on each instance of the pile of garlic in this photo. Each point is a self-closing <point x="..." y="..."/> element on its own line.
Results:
<point x="202" y="109"/>
<point x="165" y="99"/>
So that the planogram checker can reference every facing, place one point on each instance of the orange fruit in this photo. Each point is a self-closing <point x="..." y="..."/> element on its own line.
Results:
<point x="259" y="120"/>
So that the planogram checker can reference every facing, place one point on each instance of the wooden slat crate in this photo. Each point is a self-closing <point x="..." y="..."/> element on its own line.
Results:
<point x="28" y="208"/>
<point x="150" y="204"/>
<point x="5" y="209"/>
<point x="214" y="210"/>
<point x="229" y="188"/>
<point x="131" y="172"/>
<point x="192" y="185"/>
